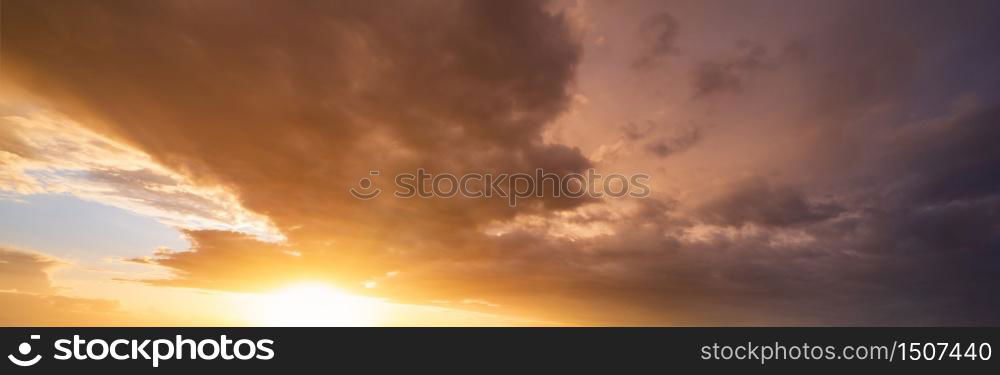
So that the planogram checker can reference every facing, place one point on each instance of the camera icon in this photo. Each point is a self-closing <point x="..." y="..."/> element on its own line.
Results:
<point x="25" y="349"/>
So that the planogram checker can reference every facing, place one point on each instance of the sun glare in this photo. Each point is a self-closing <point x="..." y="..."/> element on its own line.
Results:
<point x="314" y="304"/>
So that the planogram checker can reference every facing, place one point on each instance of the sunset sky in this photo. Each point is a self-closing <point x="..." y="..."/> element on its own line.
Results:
<point x="189" y="162"/>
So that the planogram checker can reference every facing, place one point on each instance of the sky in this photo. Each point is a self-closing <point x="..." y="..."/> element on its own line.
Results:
<point x="190" y="163"/>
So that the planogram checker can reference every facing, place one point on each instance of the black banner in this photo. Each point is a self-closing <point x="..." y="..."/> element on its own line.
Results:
<point x="472" y="350"/>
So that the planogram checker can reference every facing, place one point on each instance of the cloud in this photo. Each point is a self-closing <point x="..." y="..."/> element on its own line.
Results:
<point x="29" y="298"/>
<point x="729" y="74"/>
<point x="955" y="158"/>
<point x="301" y="114"/>
<point x="293" y="113"/>
<point x="649" y="137"/>
<point x="54" y="310"/>
<point x="659" y="31"/>
<point x="665" y="146"/>
<point x="756" y="202"/>
<point x="44" y="153"/>
<point x="224" y="260"/>
<point x="25" y="272"/>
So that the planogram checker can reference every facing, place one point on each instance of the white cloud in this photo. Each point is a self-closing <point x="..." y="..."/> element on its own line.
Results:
<point x="43" y="153"/>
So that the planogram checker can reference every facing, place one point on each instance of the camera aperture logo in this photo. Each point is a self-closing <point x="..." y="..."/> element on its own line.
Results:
<point x="154" y="350"/>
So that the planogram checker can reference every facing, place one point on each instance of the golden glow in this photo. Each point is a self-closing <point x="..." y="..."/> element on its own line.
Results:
<point x="313" y="304"/>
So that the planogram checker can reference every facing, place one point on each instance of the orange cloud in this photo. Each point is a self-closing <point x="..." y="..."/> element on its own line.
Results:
<point x="29" y="298"/>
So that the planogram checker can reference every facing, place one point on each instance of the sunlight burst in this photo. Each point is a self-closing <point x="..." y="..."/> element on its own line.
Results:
<point x="314" y="304"/>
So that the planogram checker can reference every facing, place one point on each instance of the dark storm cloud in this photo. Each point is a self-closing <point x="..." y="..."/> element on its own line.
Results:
<point x="903" y="231"/>
<point x="648" y="273"/>
<point x="914" y="242"/>
<point x="289" y="104"/>
<point x="929" y="201"/>
<point x="955" y="161"/>
<point x="940" y="214"/>
<point x="756" y="202"/>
